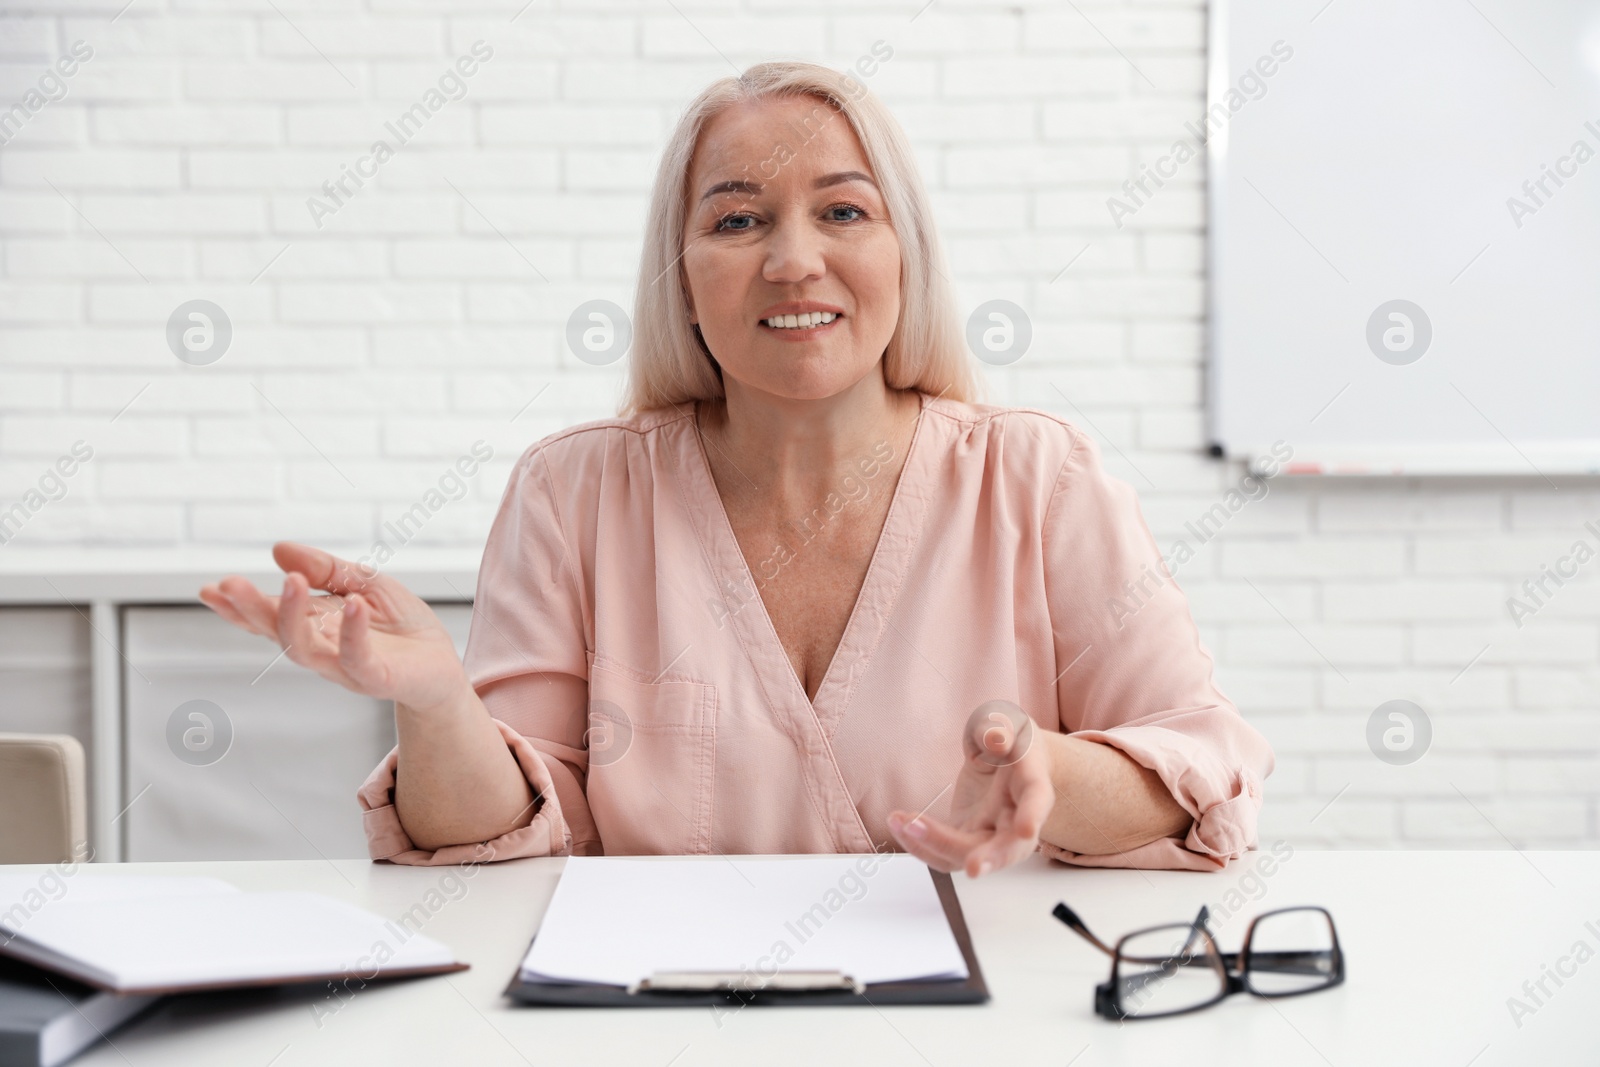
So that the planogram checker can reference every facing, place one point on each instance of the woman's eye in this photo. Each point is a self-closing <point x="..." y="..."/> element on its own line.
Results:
<point x="734" y="223"/>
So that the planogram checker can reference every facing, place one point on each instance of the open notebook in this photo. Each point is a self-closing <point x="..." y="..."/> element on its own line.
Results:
<point x="134" y="934"/>
<point x="616" y="920"/>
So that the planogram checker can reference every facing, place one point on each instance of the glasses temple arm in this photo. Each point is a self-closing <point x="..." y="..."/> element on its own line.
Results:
<point x="1197" y="927"/>
<point x="1079" y="927"/>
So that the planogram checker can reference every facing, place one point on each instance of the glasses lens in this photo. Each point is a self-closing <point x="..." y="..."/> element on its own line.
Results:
<point x="1291" y="951"/>
<point x="1167" y="969"/>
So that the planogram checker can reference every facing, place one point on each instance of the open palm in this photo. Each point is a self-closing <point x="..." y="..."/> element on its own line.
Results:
<point x="1002" y="797"/>
<point x="371" y="634"/>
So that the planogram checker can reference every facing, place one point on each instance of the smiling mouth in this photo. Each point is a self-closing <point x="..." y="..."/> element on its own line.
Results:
<point x="810" y="321"/>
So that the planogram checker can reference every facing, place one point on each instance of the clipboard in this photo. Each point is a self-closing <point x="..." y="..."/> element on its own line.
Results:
<point x="819" y="988"/>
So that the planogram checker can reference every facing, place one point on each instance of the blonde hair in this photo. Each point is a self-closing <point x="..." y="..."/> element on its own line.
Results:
<point x="927" y="351"/>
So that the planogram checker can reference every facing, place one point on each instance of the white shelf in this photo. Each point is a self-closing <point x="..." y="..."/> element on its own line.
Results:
<point x="140" y="576"/>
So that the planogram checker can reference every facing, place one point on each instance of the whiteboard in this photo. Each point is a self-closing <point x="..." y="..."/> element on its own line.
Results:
<point x="1396" y="156"/>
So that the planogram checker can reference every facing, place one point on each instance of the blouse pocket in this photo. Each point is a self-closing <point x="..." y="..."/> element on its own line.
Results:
<point x="652" y="762"/>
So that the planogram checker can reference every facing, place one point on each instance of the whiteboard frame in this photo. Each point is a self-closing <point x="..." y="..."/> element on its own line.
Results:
<point x="1375" y="459"/>
<point x="1216" y="171"/>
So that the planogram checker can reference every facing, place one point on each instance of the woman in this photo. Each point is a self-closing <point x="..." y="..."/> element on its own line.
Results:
<point x="803" y="584"/>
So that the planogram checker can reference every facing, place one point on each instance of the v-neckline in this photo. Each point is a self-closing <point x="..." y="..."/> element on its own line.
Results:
<point x="874" y="600"/>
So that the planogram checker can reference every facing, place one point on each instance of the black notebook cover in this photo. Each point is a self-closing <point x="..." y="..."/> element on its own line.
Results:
<point x="970" y="990"/>
<point x="46" y="1019"/>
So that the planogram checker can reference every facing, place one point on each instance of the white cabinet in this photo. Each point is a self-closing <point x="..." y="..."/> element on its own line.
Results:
<point x="233" y="754"/>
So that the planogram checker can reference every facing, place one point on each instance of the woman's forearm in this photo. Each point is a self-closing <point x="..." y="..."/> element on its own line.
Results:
<point x="456" y="782"/>
<point x="1105" y="802"/>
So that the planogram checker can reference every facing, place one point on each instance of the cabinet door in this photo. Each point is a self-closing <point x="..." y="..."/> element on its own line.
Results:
<point x="44" y="675"/>
<point x="234" y="752"/>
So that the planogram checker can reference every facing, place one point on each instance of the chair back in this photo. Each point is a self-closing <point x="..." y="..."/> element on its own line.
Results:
<point x="43" y="801"/>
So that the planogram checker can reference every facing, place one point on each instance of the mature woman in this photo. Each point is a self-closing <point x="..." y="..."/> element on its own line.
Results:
<point x="805" y="595"/>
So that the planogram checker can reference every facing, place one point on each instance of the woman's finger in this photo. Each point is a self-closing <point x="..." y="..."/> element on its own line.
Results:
<point x="948" y="844"/>
<point x="999" y="734"/>
<point x="999" y="851"/>
<point x="927" y="855"/>
<point x="323" y="570"/>
<point x="356" y="655"/>
<point x="259" y="609"/>
<point x="213" y="598"/>
<point x="1006" y="847"/>
<point x="1017" y="829"/>
<point x="299" y="637"/>
<point x="899" y="823"/>
<point x="1034" y="804"/>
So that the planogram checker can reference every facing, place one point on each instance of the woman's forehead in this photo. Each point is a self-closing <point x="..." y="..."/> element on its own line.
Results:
<point x="765" y="141"/>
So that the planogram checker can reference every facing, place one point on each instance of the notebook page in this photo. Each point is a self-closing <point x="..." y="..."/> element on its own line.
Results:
<point x="37" y="892"/>
<point x="143" y="942"/>
<point x="616" y="920"/>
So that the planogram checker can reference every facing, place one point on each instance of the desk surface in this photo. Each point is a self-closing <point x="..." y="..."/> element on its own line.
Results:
<point x="1437" y="942"/>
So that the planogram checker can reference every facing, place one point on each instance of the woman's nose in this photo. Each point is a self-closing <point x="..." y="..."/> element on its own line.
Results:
<point x="794" y="254"/>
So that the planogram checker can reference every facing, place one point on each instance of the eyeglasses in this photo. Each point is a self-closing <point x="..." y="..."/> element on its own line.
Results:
<point x="1177" y="968"/>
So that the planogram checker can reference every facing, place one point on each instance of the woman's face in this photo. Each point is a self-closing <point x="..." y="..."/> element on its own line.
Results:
<point x="784" y="217"/>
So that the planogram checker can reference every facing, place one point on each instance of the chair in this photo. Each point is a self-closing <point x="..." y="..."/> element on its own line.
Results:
<point x="43" y="804"/>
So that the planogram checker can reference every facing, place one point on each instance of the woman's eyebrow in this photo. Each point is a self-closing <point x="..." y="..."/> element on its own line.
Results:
<point x="750" y="188"/>
<point x="842" y="177"/>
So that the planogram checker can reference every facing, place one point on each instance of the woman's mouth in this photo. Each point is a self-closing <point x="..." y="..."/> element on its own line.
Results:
<point x="800" y="327"/>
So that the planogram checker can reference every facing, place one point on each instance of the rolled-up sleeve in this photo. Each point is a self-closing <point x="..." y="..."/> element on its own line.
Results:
<point x="527" y="660"/>
<point x="1139" y="678"/>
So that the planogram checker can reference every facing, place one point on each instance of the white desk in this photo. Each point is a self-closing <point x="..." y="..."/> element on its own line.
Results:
<point x="1436" y="943"/>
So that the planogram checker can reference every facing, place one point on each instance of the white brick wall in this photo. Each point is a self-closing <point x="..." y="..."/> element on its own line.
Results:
<point x="426" y="314"/>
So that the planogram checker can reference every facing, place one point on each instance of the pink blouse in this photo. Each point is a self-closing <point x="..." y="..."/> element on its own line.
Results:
<point x="621" y="646"/>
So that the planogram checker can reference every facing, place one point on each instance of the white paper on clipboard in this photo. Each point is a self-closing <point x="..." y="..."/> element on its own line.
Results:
<point x="616" y="920"/>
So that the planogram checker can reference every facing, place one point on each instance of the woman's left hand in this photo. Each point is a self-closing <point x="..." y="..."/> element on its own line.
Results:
<point x="1002" y="797"/>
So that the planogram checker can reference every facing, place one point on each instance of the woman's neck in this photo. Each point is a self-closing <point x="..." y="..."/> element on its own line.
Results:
<point x="797" y="450"/>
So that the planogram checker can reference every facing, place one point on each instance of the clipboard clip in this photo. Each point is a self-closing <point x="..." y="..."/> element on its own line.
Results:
<point x="697" y="981"/>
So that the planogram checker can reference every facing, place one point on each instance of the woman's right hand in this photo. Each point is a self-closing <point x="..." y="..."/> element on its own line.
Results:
<point x="371" y="634"/>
